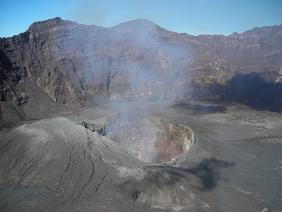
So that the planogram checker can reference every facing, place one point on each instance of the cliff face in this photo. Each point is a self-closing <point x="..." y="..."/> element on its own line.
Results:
<point x="61" y="62"/>
<point x="32" y="55"/>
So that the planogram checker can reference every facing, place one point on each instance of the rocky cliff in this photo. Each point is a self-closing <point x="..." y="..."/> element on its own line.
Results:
<point x="57" y="62"/>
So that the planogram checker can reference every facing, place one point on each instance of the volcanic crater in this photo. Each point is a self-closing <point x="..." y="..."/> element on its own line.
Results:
<point x="149" y="139"/>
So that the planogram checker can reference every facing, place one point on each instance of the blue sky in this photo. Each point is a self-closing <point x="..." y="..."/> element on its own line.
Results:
<point x="190" y="16"/>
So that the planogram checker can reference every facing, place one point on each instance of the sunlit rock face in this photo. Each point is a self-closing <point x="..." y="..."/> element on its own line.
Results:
<point x="63" y="62"/>
<point x="71" y="62"/>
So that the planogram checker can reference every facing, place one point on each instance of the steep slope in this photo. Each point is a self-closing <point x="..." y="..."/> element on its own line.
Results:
<point x="55" y="164"/>
<point x="68" y="63"/>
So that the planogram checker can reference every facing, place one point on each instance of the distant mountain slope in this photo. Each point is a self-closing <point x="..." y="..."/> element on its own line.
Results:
<point x="72" y="64"/>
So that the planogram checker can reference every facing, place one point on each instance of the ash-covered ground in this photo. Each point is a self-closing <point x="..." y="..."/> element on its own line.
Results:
<point x="200" y="158"/>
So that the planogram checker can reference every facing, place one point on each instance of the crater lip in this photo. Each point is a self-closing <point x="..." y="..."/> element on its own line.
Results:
<point x="150" y="139"/>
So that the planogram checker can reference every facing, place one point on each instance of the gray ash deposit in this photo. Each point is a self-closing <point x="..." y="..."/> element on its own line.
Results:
<point x="96" y="158"/>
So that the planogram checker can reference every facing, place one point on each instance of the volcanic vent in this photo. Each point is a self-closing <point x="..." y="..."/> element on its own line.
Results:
<point x="149" y="139"/>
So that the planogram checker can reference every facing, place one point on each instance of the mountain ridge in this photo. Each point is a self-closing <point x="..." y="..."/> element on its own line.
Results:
<point x="75" y="64"/>
<point x="59" y="20"/>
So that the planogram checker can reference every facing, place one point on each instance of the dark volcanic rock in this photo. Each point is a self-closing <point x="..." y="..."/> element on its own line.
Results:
<point x="94" y="128"/>
<point x="68" y="63"/>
